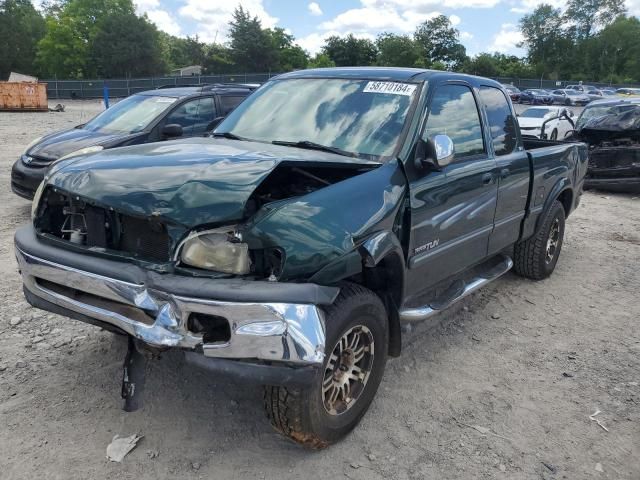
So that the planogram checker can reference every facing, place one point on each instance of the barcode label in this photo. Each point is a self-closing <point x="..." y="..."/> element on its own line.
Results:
<point x="394" y="88"/>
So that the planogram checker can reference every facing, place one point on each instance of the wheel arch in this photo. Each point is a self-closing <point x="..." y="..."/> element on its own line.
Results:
<point x="563" y="192"/>
<point x="384" y="273"/>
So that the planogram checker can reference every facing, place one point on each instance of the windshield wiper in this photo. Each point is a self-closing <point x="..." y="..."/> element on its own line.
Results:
<point x="309" y="145"/>
<point x="229" y="135"/>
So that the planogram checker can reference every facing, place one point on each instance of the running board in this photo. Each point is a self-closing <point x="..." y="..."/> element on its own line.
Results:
<point x="457" y="291"/>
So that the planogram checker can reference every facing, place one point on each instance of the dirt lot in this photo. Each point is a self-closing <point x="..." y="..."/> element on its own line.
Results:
<point x="502" y="386"/>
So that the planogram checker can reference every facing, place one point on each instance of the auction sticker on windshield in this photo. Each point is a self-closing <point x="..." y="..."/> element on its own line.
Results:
<point x="395" y="88"/>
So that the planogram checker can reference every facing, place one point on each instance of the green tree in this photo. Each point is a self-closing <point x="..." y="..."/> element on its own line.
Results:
<point x="126" y="45"/>
<point x="549" y="47"/>
<point x="585" y="16"/>
<point x="615" y="52"/>
<point x="21" y="28"/>
<point x="397" y="50"/>
<point x="288" y="56"/>
<point x="439" y="42"/>
<point x="321" y="60"/>
<point x="350" y="51"/>
<point x="251" y="46"/>
<point x="218" y="59"/>
<point x="70" y="29"/>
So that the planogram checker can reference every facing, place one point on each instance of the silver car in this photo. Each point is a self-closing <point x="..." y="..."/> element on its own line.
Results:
<point x="570" y="97"/>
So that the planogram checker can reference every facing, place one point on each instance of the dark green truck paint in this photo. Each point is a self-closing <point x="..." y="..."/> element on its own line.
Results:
<point x="421" y="225"/>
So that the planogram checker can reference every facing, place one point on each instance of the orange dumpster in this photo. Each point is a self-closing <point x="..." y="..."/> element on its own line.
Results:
<point x="26" y="96"/>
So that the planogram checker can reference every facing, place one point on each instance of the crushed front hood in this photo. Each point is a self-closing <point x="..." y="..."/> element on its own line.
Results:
<point x="189" y="182"/>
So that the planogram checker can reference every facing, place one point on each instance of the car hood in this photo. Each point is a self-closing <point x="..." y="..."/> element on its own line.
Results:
<point x="188" y="182"/>
<point x="62" y="143"/>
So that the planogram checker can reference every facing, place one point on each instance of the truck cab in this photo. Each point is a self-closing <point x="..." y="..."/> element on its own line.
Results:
<point x="287" y="249"/>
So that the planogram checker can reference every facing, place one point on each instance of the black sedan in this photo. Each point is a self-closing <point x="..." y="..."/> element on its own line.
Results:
<point x="536" y="97"/>
<point x="141" y="118"/>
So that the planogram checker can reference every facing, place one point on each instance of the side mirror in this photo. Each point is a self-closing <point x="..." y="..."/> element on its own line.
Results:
<point x="571" y="114"/>
<point x="437" y="152"/>
<point x="173" y="130"/>
<point x="214" y="123"/>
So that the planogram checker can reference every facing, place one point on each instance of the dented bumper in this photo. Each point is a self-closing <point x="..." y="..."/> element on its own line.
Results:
<point x="268" y="323"/>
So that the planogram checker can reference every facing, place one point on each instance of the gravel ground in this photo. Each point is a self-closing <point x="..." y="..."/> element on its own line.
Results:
<point x="501" y="386"/>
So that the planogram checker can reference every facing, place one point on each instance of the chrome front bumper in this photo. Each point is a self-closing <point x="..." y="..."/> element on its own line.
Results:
<point x="287" y="333"/>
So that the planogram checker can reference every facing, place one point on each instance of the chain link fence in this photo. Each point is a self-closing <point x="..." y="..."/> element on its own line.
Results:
<point x="118" y="88"/>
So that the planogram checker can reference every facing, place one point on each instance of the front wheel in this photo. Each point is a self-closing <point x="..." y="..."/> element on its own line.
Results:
<point x="554" y="134"/>
<point x="537" y="256"/>
<point x="355" y="356"/>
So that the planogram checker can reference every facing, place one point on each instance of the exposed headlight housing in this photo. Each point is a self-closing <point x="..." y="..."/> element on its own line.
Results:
<point x="218" y="251"/>
<point x="82" y="151"/>
<point x="36" y="198"/>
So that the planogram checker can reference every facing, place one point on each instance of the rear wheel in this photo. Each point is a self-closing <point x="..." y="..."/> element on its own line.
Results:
<point x="355" y="357"/>
<point x="536" y="258"/>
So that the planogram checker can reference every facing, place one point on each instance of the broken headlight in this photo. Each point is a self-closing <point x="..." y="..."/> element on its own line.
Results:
<point x="36" y="198"/>
<point x="218" y="251"/>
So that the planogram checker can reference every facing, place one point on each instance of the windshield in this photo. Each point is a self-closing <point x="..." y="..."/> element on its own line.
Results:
<point x="599" y="111"/>
<point x="535" y="113"/>
<point x="131" y="115"/>
<point x="360" y="117"/>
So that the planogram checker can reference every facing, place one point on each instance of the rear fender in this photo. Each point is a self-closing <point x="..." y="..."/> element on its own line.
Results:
<point x="558" y="189"/>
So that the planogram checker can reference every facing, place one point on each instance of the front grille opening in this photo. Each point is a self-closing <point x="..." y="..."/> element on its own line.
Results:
<point x="128" y="311"/>
<point x="78" y="222"/>
<point x="214" y="329"/>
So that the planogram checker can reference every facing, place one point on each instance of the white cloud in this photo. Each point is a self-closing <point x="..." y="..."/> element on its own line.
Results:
<point x="527" y="6"/>
<point x="314" y="42"/>
<point x="401" y="16"/>
<point x="633" y="6"/>
<point x="143" y="5"/>
<point x="213" y="16"/>
<point x="507" y="39"/>
<point x="367" y="19"/>
<point x="466" y="36"/>
<point x="163" y="19"/>
<point x="314" y="9"/>
<point x="426" y="5"/>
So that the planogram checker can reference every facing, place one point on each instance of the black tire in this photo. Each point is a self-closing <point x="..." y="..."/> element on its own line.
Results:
<point x="532" y="258"/>
<point x="567" y="102"/>
<point x="554" y="134"/>
<point x="300" y="413"/>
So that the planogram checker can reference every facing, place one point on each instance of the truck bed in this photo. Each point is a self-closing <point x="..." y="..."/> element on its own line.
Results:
<point x="554" y="164"/>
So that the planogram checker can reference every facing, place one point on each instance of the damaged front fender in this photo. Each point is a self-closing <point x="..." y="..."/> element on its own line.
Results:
<point x="326" y="227"/>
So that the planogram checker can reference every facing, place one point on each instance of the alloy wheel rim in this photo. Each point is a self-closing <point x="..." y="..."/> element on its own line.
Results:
<point x="347" y="371"/>
<point x="553" y="241"/>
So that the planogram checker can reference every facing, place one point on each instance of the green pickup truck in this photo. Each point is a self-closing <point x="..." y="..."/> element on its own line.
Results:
<point x="330" y="207"/>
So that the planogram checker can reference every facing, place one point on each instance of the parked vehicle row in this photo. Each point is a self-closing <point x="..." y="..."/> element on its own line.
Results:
<point x="286" y="249"/>
<point x="571" y="95"/>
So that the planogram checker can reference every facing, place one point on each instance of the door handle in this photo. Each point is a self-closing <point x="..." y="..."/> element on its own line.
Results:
<point x="504" y="173"/>
<point x="487" y="178"/>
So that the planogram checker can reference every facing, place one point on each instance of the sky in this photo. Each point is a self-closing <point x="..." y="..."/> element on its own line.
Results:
<point x="484" y="25"/>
